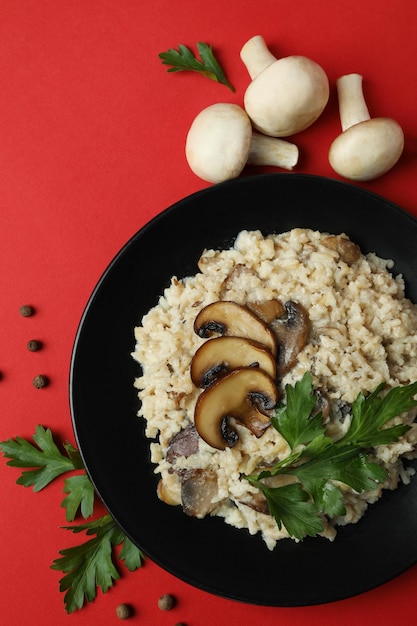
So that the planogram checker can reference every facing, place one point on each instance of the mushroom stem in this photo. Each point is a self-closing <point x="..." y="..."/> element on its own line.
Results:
<point x="256" y="56"/>
<point x="352" y="105"/>
<point x="266" y="150"/>
<point x="367" y="147"/>
<point x="220" y="141"/>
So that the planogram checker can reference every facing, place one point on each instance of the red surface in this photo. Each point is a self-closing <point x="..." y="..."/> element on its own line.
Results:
<point x="92" y="132"/>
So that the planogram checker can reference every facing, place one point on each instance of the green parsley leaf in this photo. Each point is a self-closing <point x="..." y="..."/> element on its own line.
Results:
<point x="329" y="499"/>
<point x="293" y="420"/>
<point x="316" y="446"/>
<point x="130" y="554"/>
<point x="345" y="464"/>
<point x="90" y="566"/>
<point x="74" y="455"/>
<point x="80" y="492"/>
<point x="320" y="464"/>
<point x="45" y="459"/>
<point x="184" y="60"/>
<point x="371" y="413"/>
<point x="290" y="505"/>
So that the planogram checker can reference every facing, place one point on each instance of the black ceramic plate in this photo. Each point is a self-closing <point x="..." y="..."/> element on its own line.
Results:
<point x="207" y="553"/>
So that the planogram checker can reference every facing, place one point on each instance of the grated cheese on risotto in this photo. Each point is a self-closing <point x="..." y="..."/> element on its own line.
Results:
<point x="363" y="331"/>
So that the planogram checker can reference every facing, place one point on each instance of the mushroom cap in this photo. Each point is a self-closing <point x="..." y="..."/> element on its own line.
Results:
<point x="218" y="142"/>
<point x="229" y="318"/>
<point x="287" y="96"/>
<point x="217" y="356"/>
<point x="247" y="394"/>
<point x="198" y="490"/>
<point x="368" y="149"/>
<point x="291" y="331"/>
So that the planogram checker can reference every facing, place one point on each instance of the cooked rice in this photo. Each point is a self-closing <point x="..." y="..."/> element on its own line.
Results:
<point x="363" y="332"/>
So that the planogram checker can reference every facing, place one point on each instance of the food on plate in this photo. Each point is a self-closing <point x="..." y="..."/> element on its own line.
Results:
<point x="246" y="394"/>
<point x="286" y="95"/>
<point x="366" y="148"/>
<point x="303" y="431"/>
<point x="229" y="318"/>
<point x="222" y="354"/>
<point x="220" y="142"/>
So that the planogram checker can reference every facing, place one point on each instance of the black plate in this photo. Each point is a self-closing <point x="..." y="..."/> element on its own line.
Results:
<point x="207" y="553"/>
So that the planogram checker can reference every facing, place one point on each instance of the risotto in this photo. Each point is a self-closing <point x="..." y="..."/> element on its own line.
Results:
<point x="362" y="332"/>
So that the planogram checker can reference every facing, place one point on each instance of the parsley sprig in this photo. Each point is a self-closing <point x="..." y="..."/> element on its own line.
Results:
<point x="46" y="461"/>
<point x="320" y="465"/>
<point x="90" y="565"/>
<point x="184" y="60"/>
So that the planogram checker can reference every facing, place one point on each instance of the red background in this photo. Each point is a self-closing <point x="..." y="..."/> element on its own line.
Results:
<point x="92" y="133"/>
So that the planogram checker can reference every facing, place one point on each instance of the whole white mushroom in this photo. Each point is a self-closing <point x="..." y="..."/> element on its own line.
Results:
<point x="221" y="141"/>
<point x="366" y="148"/>
<point x="286" y="95"/>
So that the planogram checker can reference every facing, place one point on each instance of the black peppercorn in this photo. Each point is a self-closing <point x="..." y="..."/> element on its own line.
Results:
<point x="26" y="310"/>
<point x="34" y="345"/>
<point x="166" y="602"/>
<point x="124" y="611"/>
<point x="40" y="381"/>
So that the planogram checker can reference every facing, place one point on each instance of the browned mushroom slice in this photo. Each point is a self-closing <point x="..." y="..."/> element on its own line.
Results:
<point x="349" y="252"/>
<point x="168" y="494"/>
<point x="267" y="310"/>
<point x="342" y="410"/>
<point x="229" y="318"/>
<point x="257" y="502"/>
<point x="246" y="394"/>
<point x="323" y="404"/>
<point x="218" y="356"/>
<point x="198" y="488"/>
<point x="184" y="443"/>
<point x="291" y="333"/>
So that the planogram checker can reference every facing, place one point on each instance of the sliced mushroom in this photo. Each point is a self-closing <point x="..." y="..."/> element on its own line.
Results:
<point x="169" y="493"/>
<point x="291" y="332"/>
<point x="348" y="251"/>
<point x="198" y="488"/>
<point x="246" y="394"/>
<point x="267" y="310"/>
<point x="342" y="410"/>
<point x="323" y="404"/>
<point x="184" y="443"/>
<point x="257" y="502"/>
<point x="229" y="318"/>
<point x="218" y="356"/>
